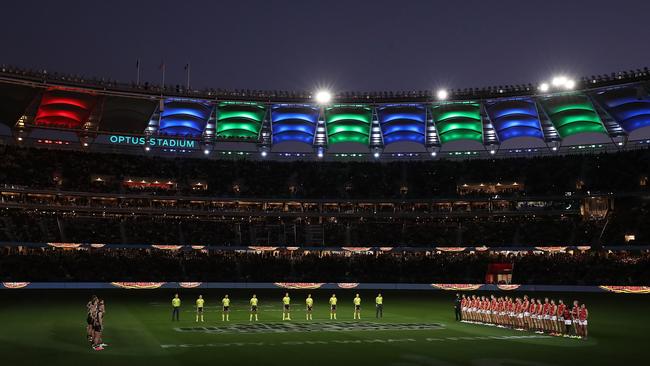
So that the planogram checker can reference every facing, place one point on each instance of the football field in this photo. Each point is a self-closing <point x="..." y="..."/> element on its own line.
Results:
<point x="418" y="328"/>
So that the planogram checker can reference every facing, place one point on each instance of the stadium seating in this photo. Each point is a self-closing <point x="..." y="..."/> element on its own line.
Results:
<point x="590" y="268"/>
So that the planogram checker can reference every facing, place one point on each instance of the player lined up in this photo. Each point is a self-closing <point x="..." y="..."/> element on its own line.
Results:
<point x="540" y="316"/>
<point x="286" y="307"/>
<point x="95" y="309"/>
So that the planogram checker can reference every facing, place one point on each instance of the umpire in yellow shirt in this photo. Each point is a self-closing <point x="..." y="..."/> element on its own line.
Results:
<point x="379" y="306"/>
<point x="176" y="307"/>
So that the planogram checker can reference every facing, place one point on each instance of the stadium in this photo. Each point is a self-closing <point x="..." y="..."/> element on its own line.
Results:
<point x="166" y="223"/>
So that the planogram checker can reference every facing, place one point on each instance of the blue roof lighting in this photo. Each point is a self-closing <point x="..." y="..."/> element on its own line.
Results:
<point x="294" y="122"/>
<point x="514" y="118"/>
<point x="184" y="118"/>
<point x="402" y="122"/>
<point x="629" y="106"/>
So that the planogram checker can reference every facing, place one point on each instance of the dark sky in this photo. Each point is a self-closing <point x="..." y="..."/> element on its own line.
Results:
<point x="348" y="45"/>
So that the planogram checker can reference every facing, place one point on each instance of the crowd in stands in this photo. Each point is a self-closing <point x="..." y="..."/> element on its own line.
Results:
<point x="41" y="227"/>
<point x="74" y="170"/>
<point x="60" y="170"/>
<point x="579" y="268"/>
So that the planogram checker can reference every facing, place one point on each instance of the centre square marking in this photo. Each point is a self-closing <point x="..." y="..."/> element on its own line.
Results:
<point x="308" y="327"/>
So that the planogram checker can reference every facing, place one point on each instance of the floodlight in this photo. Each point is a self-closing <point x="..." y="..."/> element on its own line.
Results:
<point x="559" y="81"/>
<point x="442" y="94"/>
<point x="543" y="87"/>
<point x="569" y="84"/>
<point x="323" y="97"/>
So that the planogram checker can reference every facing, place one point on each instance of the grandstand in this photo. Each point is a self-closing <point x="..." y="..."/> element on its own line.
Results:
<point x="132" y="167"/>
<point x="509" y="190"/>
<point x="598" y="113"/>
<point x="97" y="161"/>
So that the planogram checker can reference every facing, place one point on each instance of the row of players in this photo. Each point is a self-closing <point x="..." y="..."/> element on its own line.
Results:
<point x="95" y="309"/>
<point x="526" y="314"/>
<point x="286" y="307"/>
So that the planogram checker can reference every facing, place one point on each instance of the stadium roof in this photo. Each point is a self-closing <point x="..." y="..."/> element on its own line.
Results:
<point x="605" y="112"/>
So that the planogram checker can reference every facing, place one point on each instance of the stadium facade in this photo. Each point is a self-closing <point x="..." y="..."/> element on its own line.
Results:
<point x="601" y="113"/>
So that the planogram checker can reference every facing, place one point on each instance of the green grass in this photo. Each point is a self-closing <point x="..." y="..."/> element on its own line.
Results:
<point x="47" y="327"/>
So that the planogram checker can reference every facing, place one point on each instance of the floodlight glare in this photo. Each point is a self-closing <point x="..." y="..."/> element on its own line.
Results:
<point x="559" y="81"/>
<point x="569" y="84"/>
<point x="543" y="87"/>
<point x="323" y="97"/>
<point x="433" y="153"/>
<point x="442" y="94"/>
<point x="492" y="152"/>
<point x="264" y="153"/>
<point x="376" y="155"/>
<point x="206" y="152"/>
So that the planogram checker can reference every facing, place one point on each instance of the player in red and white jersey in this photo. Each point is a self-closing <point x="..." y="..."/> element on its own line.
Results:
<point x="553" y="314"/>
<point x="546" y="314"/>
<point x="525" y="307"/>
<point x="583" y="314"/>
<point x="519" y="314"/>
<point x="494" y="310"/>
<point x="477" y="309"/>
<point x="560" y="316"/>
<point x="472" y="308"/>
<point x="497" y="318"/>
<point x="540" y="316"/>
<point x="532" y="309"/>
<point x="504" y="310"/>
<point x="566" y="315"/>
<point x="536" y="311"/>
<point x="501" y="311"/>
<point x="510" y="312"/>
<point x="484" y="305"/>
<point x="575" y="313"/>
<point x="508" y="309"/>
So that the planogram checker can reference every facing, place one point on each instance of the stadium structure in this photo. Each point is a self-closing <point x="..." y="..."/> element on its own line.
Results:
<point x="327" y="170"/>
<point x="156" y="199"/>
<point x="604" y="112"/>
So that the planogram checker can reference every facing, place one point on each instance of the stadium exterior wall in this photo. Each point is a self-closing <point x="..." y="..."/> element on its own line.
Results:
<point x="314" y="286"/>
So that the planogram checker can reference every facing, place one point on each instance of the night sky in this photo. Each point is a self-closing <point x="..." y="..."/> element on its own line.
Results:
<point x="346" y="45"/>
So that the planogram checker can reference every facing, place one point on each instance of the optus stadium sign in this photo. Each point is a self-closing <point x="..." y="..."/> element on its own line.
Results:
<point x="163" y="142"/>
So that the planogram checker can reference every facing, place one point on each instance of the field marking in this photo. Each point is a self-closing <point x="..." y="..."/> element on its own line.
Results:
<point x="353" y="341"/>
<point x="305" y="327"/>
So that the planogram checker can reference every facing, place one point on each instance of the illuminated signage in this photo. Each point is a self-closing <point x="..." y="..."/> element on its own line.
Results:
<point x="153" y="141"/>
